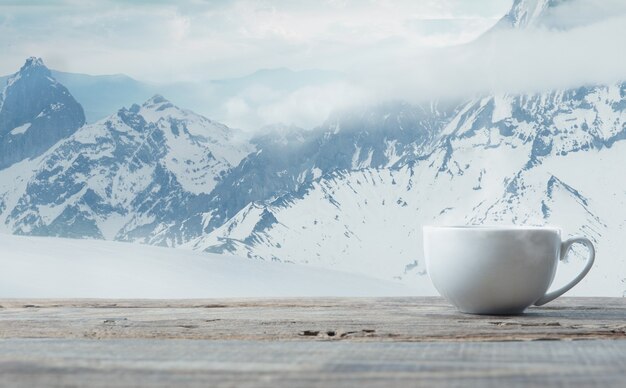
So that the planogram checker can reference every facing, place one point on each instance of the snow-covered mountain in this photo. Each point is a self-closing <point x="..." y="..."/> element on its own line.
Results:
<point x="35" y="112"/>
<point x="527" y="13"/>
<point x="101" y="95"/>
<point x="351" y="194"/>
<point x="549" y="158"/>
<point x="378" y="136"/>
<point x="559" y="15"/>
<point x="136" y="175"/>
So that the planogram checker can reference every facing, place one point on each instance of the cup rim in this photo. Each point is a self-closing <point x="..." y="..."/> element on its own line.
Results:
<point x="492" y="227"/>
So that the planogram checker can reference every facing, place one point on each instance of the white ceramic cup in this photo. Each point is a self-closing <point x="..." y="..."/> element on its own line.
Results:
<point x="498" y="270"/>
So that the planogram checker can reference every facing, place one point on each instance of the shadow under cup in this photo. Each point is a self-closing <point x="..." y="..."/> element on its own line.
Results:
<point x="495" y="270"/>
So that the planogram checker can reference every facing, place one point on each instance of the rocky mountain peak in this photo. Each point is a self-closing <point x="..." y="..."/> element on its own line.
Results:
<point x="33" y="63"/>
<point x="35" y="113"/>
<point x="157" y="101"/>
<point x="528" y="13"/>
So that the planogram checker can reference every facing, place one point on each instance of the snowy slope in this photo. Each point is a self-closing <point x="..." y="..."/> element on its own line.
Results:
<point x="133" y="176"/>
<point x="526" y="13"/>
<point x="351" y="194"/>
<point x="380" y="135"/>
<point x="533" y="159"/>
<point x="198" y="150"/>
<point x="38" y="267"/>
<point x="534" y="14"/>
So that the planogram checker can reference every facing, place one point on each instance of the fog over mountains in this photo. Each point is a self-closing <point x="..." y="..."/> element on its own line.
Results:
<point x="350" y="194"/>
<point x="242" y="100"/>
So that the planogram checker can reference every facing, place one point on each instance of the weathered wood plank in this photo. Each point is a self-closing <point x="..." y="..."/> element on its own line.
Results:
<point x="201" y="363"/>
<point x="319" y="342"/>
<point x="331" y="319"/>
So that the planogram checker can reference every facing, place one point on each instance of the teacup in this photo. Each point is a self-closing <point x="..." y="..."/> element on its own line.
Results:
<point x="498" y="270"/>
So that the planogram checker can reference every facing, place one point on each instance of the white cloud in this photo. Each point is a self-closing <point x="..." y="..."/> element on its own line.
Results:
<point x="388" y="49"/>
<point x="305" y="107"/>
<point x="512" y="61"/>
<point x="197" y="39"/>
<point x="179" y="27"/>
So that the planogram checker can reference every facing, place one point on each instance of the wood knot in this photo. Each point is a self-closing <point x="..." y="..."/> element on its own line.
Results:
<point x="310" y="333"/>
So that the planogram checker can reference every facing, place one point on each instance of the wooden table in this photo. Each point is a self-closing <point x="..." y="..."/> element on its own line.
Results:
<point x="318" y="342"/>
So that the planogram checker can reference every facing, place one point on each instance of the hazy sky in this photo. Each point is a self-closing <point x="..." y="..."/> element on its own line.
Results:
<point x="388" y="49"/>
<point x="191" y="39"/>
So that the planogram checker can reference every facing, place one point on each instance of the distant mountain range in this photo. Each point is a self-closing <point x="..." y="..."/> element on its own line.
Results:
<point x="102" y="95"/>
<point x="351" y="194"/>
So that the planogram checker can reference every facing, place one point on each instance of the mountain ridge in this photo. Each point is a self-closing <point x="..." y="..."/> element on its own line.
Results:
<point x="128" y="177"/>
<point x="350" y="194"/>
<point x="36" y="111"/>
<point x="491" y="166"/>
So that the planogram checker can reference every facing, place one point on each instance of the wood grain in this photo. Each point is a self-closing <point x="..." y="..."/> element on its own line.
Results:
<point x="333" y="342"/>
<point x="200" y="363"/>
<point x="333" y="319"/>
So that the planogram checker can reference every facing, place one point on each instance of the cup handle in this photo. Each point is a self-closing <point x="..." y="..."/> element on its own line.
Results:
<point x="565" y="247"/>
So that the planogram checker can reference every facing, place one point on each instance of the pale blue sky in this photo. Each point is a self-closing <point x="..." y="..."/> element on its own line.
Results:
<point x="184" y="40"/>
